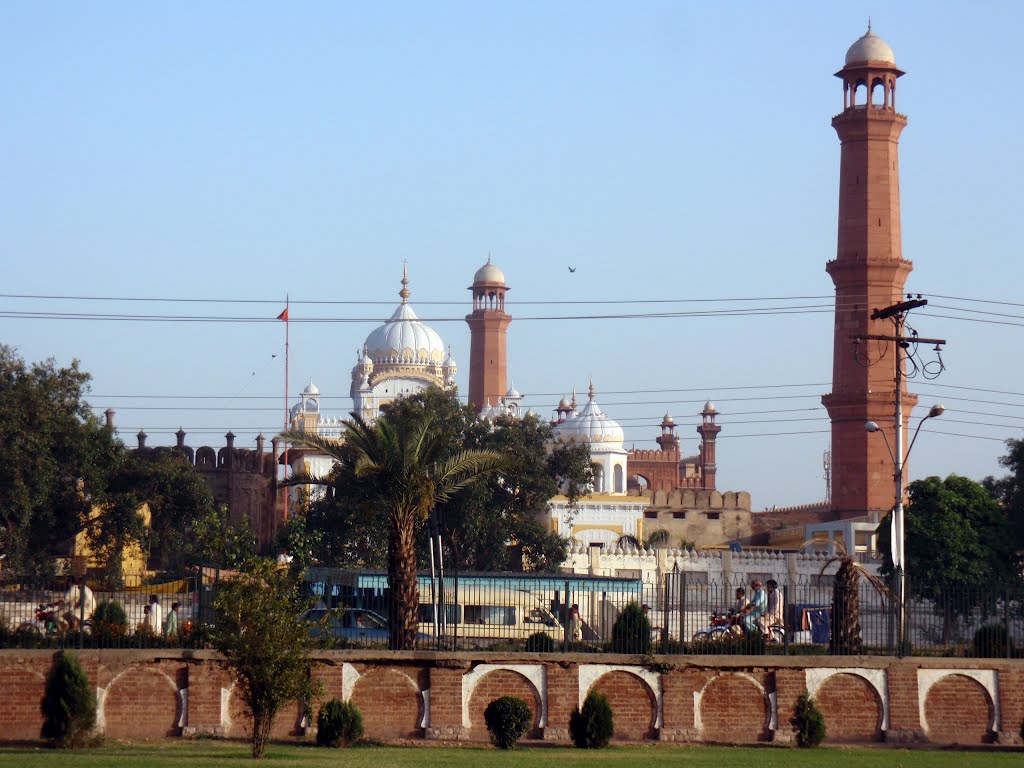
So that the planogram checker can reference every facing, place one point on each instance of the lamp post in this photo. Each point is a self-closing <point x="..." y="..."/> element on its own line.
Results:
<point x="897" y="544"/>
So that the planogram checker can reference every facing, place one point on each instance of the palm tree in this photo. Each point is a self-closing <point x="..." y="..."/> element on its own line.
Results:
<point x="653" y="540"/>
<point x="408" y="468"/>
<point x="845" y="638"/>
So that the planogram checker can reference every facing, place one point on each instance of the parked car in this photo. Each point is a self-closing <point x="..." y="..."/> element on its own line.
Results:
<point x="360" y="625"/>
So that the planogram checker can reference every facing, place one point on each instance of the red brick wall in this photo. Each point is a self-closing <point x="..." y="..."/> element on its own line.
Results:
<point x="142" y="696"/>
<point x="23" y="687"/>
<point x="151" y="689"/>
<point x="733" y="710"/>
<point x="390" y="702"/>
<point x="852" y="709"/>
<point x="958" y="711"/>
<point x="501" y="682"/>
<point x="634" y="708"/>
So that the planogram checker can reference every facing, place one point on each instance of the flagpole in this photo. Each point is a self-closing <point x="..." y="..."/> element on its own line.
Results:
<point x="287" y="329"/>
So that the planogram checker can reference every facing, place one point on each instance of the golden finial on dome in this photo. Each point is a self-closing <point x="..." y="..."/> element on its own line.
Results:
<point x="404" y="293"/>
<point x="591" y="391"/>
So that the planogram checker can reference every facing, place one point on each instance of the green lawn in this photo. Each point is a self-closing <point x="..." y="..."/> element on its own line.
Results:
<point x="198" y="754"/>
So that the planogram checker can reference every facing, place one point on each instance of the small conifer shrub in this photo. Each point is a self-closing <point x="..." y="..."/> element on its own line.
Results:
<point x="338" y="724"/>
<point x="592" y="727"/>
<point x="808" y="722"/>
<point x="69" y="704"/>
<point x="631" y="632"/>
<point x="507" y="718"/>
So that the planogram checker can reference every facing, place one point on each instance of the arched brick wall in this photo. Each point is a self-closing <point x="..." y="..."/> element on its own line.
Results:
<point x="23" y="691"/>
<point x="501" y="682"/>
<point x="958" y="711"/>
<point x="733" y="710"/>
<point x="634" y="708"/>
<point x="390" y="703"/>
<point x="125" y="696"/>
<point x="851" y="708"/>
<point x="286" y="724"/>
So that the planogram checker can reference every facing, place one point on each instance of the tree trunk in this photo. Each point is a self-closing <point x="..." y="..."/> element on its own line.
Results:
<point x="261" y="725"/>
<point x="405" y="598"/>
<point x="845" y="639"/>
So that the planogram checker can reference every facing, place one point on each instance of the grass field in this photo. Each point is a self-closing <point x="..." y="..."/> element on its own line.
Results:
<point x="200" y="754"/>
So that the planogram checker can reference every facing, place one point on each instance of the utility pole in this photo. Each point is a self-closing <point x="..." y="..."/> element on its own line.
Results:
<point x="898" y="314"/>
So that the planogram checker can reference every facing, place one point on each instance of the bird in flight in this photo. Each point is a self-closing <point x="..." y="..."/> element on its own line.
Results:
<point x="572" y="269"/>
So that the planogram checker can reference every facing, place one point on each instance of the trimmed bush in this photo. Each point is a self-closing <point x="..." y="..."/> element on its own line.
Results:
<point x="631" y="632"/>
<point x="338" y="724"/>
<point x="69" y="704"/>
<point x="507" y="718"/>
<point x="109" y="623"/>
<point x="808" y="722"/>
<point x="593" y="726"/>
<point x="993" y="641"/>
<point x="540" y="642"/>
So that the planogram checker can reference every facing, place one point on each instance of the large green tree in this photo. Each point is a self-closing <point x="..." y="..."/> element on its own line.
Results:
<point x="405" y="467"/>
<point x="959" y="545"/>
<point x="58" y="459"/>
<point x="494" y="525"/>
<point x="1009" y="490"/>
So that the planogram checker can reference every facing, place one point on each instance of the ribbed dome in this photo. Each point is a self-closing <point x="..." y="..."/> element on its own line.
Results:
<point x="591" y="425"/>
<point x="489" y="273"/>
<point x="311" y="389"/>
<point x="404" y="339"/>
<point x="870" y="48"/>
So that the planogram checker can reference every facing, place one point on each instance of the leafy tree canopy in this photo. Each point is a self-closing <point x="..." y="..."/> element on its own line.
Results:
<point x="957" y="537"/>
<point x="58" y="459"/>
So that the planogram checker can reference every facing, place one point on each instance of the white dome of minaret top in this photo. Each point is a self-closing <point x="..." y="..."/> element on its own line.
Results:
<point x="404" y="338"/>
<point x="870" y="47"/>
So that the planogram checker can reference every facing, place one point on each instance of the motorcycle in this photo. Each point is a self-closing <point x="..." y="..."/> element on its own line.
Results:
<point x="48" y="621"/>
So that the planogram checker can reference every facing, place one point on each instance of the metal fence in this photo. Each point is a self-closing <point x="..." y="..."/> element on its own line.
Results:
<point x="38" y="613"/>
<point x="685" y="613"/>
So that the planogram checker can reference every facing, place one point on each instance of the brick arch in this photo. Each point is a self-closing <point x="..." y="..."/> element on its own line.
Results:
<point x="395" y="701"/>
<point x="634" y="704"/>
<point x="958" y="710"/>
<point x="239" y="721"/>
<point x="23" y="694"/>
<point x="133" y="690"/>
<point x="852" y="708"/>
<point x="734" y="708"/>
<point x="497" y="683"/>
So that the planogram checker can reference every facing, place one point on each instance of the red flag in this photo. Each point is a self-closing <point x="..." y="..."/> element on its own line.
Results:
<point x="283" y="315"/>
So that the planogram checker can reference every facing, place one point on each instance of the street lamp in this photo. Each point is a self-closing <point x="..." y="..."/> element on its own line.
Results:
<point x="897" y="534"/>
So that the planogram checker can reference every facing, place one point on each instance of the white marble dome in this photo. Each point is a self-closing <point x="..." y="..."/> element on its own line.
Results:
<point x="870" y="48"/>
<point x="404" y="339"/>
<point x="591" y="425"/>
<point x="311" y="389"/>
<point x="489" y="273"/>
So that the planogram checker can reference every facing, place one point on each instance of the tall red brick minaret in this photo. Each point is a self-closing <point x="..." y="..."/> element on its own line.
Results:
<point x="488" y="327"/>
<point x="869" y="272"/>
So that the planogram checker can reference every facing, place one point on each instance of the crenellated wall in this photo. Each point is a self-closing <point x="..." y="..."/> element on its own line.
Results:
<point x="727" y="699"/>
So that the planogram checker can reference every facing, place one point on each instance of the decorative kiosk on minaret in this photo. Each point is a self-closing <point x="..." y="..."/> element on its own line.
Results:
<point x="868" y="272"/>
<point x="488" y="327"/>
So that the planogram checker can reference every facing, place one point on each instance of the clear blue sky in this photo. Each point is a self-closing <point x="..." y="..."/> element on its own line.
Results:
<point x="667" y="150"/>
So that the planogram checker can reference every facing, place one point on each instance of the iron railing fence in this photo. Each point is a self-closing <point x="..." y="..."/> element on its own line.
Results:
<point x="38" y="613"/>
<point x="686" y="613"/>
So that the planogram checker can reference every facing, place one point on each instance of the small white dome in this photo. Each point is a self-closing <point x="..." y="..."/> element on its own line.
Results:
<point x="564" y="403"/>
<point x="668" y="418"/>
<point x="489" y="273"/>
<point x="311" y="389"/>
<point x="591" y="425"/>
<point x="512" y="392"/>
<point x="870" y="48"/>
<point x="709" y="407"/>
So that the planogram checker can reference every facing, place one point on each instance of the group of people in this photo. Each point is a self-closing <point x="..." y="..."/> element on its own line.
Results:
<point x="763" y="610"/>
<point x="79" y="602"/>
<point x="153" y="620"/>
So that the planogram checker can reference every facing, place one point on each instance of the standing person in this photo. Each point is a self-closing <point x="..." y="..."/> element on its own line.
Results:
<point x="158" y="614"/>
<point x="756" y="607"/>
<point x="77" y="597"/>
<point x="146" y="625"/>
<point x="171" y="625"/>
<point x="773" y="613"/>
<point x="575" y="623"/>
